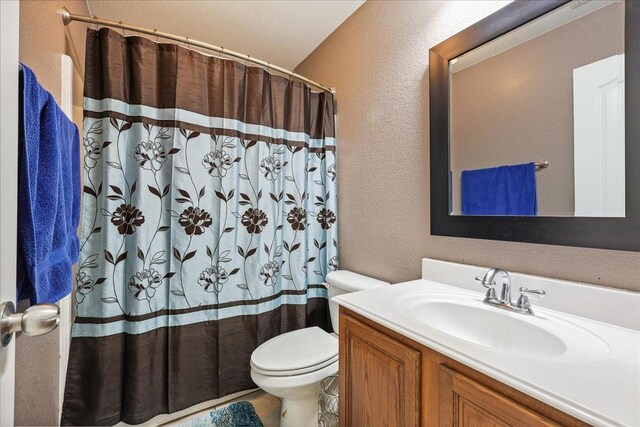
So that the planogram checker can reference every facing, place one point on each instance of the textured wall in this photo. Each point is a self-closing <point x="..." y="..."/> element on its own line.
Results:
<point x="43" y="39"/>
<point x="517" y="107"/>
<point x="378" y="62"/>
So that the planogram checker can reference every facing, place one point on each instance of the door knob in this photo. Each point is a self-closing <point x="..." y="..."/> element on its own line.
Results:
<point x="38" y="319"/>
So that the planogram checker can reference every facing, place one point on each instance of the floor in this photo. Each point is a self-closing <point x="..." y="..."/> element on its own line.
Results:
<point x="267" y="407"/>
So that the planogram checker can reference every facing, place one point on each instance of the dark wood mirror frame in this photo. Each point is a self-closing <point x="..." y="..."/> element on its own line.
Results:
<point x="593" y="232"/>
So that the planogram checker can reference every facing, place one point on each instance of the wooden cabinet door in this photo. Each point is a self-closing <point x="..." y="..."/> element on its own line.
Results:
<point x="465" y="402"/>
<point x="379" y="378"/>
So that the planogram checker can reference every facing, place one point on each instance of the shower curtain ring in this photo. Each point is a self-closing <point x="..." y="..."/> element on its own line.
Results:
<point x="95" y="21"/>
<point x="188" y="44"/>
<point x="155" y="30"/>
<point x="122" y="28"/>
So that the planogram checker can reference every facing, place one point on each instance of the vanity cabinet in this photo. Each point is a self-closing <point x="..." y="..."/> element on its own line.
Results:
<point x="380" y="377"/>
<point x="387" y="379"/>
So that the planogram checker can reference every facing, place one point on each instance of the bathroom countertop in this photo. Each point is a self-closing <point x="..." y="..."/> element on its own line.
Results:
<point x="598" y="390"/>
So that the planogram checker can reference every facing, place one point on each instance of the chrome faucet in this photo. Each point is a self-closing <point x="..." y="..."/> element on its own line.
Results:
<point x="488" y="280"/>
<point x="521" y="306"/>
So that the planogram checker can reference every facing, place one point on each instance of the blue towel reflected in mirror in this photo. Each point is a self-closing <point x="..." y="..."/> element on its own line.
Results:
<point x="504" y="190"/>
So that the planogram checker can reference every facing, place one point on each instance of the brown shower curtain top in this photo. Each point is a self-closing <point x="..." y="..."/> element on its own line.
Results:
<point x="136" y="70"/>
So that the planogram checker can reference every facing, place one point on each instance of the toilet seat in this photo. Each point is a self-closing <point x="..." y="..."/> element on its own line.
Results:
<point x="292" y="372"/>
<point x="295" y="353"/>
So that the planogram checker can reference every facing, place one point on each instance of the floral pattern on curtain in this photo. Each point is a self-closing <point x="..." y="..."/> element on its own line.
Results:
<point x="209" y="225"/>
<point x="179" y="219"/>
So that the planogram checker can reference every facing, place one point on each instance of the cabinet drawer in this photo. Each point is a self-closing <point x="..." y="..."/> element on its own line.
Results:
<point x="465" y="402"/>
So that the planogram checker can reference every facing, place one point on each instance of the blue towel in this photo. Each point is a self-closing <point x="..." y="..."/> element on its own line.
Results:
<point x="505" y="190"/>
<point x="48" y="195"/>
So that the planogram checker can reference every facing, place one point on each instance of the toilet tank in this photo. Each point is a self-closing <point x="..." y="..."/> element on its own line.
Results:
<point x="342" y="282"/>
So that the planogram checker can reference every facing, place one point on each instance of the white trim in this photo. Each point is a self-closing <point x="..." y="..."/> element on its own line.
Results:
<point x="180" y="115"/>
<point x="142" y="326"/>
<point x="9" y="88"/>
<point x="64" y="329"/>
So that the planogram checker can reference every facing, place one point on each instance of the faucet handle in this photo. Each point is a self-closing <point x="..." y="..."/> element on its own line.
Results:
<point x="523" y="301"/>
<point x="526" y="291"/>
<point x="485" y="284"/>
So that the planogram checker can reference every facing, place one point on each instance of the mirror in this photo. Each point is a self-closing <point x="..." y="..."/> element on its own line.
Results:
<point x="534" y="134"/>
<point x="548" y="96"/>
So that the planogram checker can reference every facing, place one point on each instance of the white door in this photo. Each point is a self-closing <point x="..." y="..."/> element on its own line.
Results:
<point x="598" y="108"/>
<point x="9" y="19"/>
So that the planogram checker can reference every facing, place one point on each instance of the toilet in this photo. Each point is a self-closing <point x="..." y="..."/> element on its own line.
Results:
<point x="291" y="366"/>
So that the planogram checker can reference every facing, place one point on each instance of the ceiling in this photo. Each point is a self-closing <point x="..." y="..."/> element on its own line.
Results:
<point x="281" y="32"/>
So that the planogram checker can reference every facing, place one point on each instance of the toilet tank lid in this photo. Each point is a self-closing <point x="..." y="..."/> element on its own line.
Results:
<point x="350" y="281"/>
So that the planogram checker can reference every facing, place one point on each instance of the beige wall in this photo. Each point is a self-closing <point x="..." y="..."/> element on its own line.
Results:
<point x="517" y="107"/>
<point x="378" y="62"/>
<point x="43" y="39"/>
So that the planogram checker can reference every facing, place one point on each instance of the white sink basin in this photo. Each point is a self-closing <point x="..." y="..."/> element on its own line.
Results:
<point x="467" y="318"/>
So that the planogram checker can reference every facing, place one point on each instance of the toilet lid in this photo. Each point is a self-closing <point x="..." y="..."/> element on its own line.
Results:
<point x="296" y="352"/>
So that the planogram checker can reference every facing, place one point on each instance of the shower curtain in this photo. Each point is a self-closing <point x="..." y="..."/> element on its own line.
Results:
<point x="209" y="224"/>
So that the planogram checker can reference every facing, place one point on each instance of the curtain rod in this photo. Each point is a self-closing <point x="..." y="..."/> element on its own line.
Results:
<point x="68" y="17"/>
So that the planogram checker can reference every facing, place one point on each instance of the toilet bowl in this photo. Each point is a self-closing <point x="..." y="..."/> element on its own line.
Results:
<point x="290" y="366"/>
